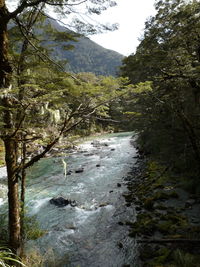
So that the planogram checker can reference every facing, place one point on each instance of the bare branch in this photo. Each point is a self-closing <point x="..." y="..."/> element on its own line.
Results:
<point x="104" y="119"/>
<point x="40" y="54"/>
<point x="65" y="4"/>
<point x="23" y="6"/>
<point x="19" y="125"/>
<point x="41" y="155"/>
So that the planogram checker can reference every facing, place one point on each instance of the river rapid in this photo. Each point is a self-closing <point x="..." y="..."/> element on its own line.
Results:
<point x="93" y="233"/>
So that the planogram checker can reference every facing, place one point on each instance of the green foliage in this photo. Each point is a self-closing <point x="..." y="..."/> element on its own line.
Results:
<point x="3" y="228"/>
<point x="32" y="229"/>
<point x="160" y="257"/>
<point x="167" y="116"/>
<point x="87" y="56"/>
<point x="38" y="99"/>
<point x="183" y="259"/>
<point x="74" y="52"/>
<point x="6" y="255"/>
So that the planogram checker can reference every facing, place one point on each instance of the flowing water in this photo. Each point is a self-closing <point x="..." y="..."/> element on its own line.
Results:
<point x="88" y="235"/>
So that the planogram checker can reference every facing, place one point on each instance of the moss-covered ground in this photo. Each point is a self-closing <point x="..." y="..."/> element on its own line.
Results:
<point x="165" y="211"/>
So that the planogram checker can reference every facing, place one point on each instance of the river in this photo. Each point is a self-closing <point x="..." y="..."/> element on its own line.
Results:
<point x="93" y="233"/>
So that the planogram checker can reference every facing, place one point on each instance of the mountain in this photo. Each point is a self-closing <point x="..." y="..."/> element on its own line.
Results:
<point x="87" y="56"/>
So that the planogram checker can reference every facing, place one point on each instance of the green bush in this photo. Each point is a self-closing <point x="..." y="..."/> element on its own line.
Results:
<point x="183" y="259"/>
<point x="6" y="256"/>
<point x="32" y="229"/>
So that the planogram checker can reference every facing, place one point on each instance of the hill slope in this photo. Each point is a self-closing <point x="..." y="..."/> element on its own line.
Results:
<point x="87" y="56"/>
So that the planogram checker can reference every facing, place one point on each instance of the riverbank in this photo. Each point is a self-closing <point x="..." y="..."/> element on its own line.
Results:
<point x="167" y="227"/>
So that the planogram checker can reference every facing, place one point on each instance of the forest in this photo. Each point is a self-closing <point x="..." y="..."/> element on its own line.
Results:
<point x="156" y="95"/>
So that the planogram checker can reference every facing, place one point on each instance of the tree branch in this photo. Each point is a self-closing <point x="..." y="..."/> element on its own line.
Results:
<point x="103" y="119"/>
<point x="65" y="4"/>
<point x="40" y="54"/>
<point x="23" y="6"/>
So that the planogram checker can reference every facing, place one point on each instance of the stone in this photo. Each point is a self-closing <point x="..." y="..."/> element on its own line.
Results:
<point x="79" y="170"/>
<point x="105" y="144"/>
<point x="189" y="203"/>
<point x="119" y="185"/>
<point x="138" y="208"/>
<point x="62" y="202"/>
<point x="95" y="143"/>
<point x="103" y="205"/>
<point x="120" y="245"/>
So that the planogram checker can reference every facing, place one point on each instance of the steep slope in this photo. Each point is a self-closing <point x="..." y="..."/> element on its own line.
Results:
<point x="87" y="56"/>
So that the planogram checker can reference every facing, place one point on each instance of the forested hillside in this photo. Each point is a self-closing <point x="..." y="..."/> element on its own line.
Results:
<point x="84" y="55"/>
<point x="167" y="115"/>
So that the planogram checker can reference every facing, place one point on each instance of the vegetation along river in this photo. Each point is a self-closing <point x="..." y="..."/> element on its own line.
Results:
<point x="87" y="234"/>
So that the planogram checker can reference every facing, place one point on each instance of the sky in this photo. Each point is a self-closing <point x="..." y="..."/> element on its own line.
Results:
<point x="131" y="16"/>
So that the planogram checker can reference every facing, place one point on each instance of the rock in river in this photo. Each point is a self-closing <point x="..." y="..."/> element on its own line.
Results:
<point x="79" y="170"/>
<point x="61" y="202"/>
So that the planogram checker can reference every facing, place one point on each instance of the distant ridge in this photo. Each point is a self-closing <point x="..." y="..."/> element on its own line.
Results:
<point x="87" y="56"/>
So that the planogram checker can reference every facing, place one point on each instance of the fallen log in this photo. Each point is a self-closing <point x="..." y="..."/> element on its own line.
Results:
<point x="160" y="241"/>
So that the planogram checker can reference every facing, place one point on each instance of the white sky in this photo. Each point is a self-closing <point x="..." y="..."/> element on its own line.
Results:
<point x="131" y="16"/>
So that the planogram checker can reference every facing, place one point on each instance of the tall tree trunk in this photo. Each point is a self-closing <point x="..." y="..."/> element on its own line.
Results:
<point x="10" y="142"/>
<point x="13" y="198"/>
<point x="5" y="68"/>
<point x="22" y="197"/>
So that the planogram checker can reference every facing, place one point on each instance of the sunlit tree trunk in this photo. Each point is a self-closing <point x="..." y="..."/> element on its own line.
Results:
<point x="5" y="68"/>
<point x="13" y="199"/>
<point x="22" y="197"/>
<point x="10" y="142"/>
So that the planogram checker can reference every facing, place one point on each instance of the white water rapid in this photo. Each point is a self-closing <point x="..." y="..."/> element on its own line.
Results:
<point x="88" y="235"/>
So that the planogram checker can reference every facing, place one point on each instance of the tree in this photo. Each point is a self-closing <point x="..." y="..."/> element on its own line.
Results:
<point x="12" y="100"/>
<point x="168" y="55"/>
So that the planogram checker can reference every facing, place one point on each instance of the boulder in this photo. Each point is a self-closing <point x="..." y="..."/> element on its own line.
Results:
<point x="137" y="208"/>
<point x="88" y="154"/>
<point x="79" y="170"/>
<point x="189" y="203"/>
<point x="98" y="144"/>
<point x="95" y="143"/>
<point x="104" y="144"/>
<point x="103" y="205"/>
<point x="61" y="202"/>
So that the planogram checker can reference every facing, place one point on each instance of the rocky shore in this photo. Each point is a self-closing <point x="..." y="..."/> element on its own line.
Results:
<point x="167" y="227"/>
